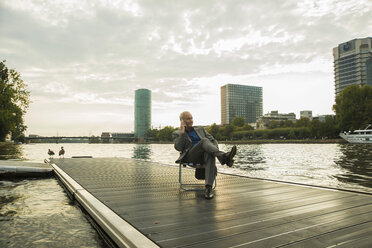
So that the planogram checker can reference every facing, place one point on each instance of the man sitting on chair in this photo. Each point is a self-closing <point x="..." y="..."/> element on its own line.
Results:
<point x="198" y="146"/>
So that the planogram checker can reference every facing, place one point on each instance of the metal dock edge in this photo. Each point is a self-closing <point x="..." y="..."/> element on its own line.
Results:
<point x="121" y="232"/>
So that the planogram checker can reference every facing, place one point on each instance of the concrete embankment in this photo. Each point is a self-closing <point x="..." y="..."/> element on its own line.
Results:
<point x="22" y="169"/>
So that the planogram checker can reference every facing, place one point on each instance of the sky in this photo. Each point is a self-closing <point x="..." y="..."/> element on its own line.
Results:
<point x="83" y="59"/>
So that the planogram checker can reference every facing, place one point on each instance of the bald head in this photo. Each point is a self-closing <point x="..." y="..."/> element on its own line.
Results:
<point x="183" y="114"/>
<point x="186" y="119"/>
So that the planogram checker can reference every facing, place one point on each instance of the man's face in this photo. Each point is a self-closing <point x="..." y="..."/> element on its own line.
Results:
<point x="187" y="119"/>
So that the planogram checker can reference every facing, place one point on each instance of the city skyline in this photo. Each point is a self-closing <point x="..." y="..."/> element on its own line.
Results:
<point x="83" y="61"/>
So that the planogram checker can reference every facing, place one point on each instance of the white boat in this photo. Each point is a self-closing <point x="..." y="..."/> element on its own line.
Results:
<point x="363" y="136"/>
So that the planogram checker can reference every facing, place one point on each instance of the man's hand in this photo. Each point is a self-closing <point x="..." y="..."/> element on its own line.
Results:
<point x="182" y="127"/>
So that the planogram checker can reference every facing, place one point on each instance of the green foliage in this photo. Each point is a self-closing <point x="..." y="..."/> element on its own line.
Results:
<point x="302" y="122"/>
<point x="214" y="130"/>
<point x="353" y="107"/>
<point x="292" y="134"/>
<point x="238" y="121"/>
<point x="152" y="134"/>
<point x="330" y="128"/>
<point x="273" y="124"/>
<point x="306" y="129"/>
<point x="280" y="124"/>
<point x="277" y="133"/>
<point x="226" y="131"/>
<point x="286" y="123"/>
<point x="14" y="102"/>
<point x="246" y="127"/>
<point x="165" y="134"/>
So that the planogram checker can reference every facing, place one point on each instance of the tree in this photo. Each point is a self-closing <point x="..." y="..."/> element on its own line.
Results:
<point x="273" y="124"/>
<point x="238" y="121"/>
<point x="353" y="107"/>
<point x="165" y="134"/>
<point x="316" y="129"/>
<point x="214" y="130"/>
<point x="286" y="123"/>
<point x="152" y="134"/>
<point x="14" y="102"/>
<point x="246" y="127"/>
<point x="292" y="134"/>
<point x="302" y="122"/>
<point x="226" y="131"/>
<point x="330" y="127"/>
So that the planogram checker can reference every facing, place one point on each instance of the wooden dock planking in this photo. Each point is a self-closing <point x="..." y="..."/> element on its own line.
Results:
<point x="244" y="213"/>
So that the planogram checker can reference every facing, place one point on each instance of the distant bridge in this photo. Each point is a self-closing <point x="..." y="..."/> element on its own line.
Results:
<point x="60" y="137"/>
<point x="79" y="139"/>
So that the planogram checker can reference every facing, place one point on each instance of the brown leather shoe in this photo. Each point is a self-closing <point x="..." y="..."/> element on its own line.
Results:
<point x="227" y="158"/>
<point x="230" y="156"/>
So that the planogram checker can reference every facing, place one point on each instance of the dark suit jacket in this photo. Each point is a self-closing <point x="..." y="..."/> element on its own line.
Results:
<point x="182" y="141"/>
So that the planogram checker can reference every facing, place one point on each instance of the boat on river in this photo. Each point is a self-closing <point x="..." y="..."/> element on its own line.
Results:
<point x="363" y="136"/>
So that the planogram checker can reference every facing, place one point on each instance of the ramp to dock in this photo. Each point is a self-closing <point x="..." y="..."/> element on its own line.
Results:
<point x="142" y="205"/>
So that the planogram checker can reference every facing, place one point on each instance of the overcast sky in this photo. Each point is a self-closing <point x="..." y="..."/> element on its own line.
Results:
<point x="84" y="59"/>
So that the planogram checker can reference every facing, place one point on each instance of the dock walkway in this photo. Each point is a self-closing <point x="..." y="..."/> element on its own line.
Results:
<point x="245" y="212"/>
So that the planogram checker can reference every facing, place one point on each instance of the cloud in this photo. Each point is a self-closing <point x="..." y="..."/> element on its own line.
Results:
<point x="98" y="52"/>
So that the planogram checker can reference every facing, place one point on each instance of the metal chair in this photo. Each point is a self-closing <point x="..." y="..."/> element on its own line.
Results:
<point x="193" y="186"/>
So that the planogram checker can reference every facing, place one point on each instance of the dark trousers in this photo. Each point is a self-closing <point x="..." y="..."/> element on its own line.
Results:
<point x="205" y="153"/>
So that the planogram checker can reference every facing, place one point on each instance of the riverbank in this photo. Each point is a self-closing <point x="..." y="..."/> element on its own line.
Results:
<point x="261" y="141"/>
<point x="268" y="141"/>
<point x="288" y="141"/>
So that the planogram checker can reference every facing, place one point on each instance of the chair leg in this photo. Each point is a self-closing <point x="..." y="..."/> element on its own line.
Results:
<point x="187" y="186"/>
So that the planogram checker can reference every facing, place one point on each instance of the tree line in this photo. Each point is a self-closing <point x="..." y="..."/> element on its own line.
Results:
<point x="353" y="108"/>
<point x="301" y="129"/>
<point x="14" y="102"/>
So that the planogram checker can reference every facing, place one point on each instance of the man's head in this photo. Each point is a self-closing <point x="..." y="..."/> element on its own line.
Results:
<point x="186" y="118"/>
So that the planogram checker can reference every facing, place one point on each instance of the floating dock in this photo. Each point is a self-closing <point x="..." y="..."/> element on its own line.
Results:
<point x="22" y="169"/>
<point x="139" y="204"/>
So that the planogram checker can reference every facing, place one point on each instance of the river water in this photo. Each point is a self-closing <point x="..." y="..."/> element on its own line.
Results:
<point x="38" y="213"/>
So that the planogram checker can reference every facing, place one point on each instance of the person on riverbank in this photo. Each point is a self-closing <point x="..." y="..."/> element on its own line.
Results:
<point x="196" y="145"/>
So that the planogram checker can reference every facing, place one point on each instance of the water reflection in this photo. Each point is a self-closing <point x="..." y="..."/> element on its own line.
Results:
<point x="249" y="157"/>
<point x="37" y="213"/>
<point x="142" y="151"/>
<point x="11" y="151"/>
<point x="356" y="159"/>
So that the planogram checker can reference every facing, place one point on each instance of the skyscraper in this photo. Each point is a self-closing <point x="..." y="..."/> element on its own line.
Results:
<point x="240" y="100"/>
<point x="353" y="63"/>
<point x="142" y="112"/>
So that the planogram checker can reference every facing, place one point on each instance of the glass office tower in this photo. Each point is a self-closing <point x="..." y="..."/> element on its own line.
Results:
<point x="353" y="63"/>
<point x="241" y="100"/>
<point x="142" y="112"/>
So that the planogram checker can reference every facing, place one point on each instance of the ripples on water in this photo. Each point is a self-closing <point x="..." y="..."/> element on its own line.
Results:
<point x="356" y="160"/>
<point x="343" y="166"/>
<point x="37" y="213"/>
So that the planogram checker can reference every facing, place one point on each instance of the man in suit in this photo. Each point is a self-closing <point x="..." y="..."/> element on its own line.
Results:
<point x="198" y="146"/>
